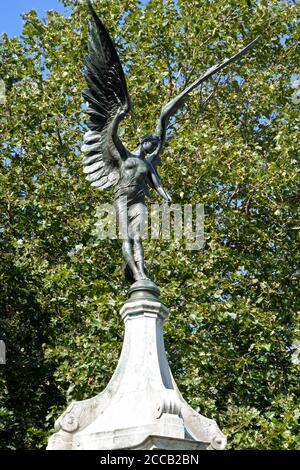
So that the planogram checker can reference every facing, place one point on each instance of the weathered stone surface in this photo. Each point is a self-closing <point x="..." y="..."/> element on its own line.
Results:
<point x="141" y="407"/>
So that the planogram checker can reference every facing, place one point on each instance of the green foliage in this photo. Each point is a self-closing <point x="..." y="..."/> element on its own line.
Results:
<point x="234" y="303"/>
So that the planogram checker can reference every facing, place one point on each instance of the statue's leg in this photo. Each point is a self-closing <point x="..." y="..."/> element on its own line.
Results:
<point x="127" y="250"/>
<point x="138" y="226"/>
<point x="138" y="251"/>
<point x="124" y="227"/>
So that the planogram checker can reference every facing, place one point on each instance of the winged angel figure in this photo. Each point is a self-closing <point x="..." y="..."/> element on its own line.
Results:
<point x="107" y="161"/>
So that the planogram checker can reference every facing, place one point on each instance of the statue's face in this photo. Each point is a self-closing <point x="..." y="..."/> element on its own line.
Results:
<point x="150" y="144"/>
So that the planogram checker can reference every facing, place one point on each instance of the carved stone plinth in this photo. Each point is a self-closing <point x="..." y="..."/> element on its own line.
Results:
<point x="141" y="407"/>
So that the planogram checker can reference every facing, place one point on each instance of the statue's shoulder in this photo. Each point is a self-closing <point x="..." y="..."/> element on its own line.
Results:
<point x="132" y="159"/>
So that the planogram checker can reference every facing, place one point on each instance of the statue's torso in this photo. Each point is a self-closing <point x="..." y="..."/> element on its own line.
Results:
<point x="132" y="183"/>
<point x="133" y="170"/>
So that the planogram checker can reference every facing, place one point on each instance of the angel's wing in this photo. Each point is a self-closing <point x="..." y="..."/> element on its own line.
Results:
<point x="108" y="102"/>
<point x="174" y="105"/>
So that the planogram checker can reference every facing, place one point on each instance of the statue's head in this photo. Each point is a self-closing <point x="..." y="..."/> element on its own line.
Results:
<point x="149" y="143"/>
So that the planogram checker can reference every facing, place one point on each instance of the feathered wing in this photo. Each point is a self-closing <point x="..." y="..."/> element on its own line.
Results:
<point x="174" y="105"/>
<point x="108" y="102"/>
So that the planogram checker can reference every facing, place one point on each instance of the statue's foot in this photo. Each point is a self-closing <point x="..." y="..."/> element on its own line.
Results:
<point x="142" y="277"/>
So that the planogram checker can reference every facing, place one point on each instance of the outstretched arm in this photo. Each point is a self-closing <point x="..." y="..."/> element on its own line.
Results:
<point x="116" y="143"/>
<point x="174" y="105"/>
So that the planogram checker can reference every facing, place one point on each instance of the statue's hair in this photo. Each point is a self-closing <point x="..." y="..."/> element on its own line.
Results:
<point x="147" y="137"/>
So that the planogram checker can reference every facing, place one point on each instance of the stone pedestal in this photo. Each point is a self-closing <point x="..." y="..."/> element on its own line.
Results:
<point x="141" y="407"/>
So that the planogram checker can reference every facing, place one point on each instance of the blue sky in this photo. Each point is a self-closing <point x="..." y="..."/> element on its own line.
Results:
<point x="10" y="19"/>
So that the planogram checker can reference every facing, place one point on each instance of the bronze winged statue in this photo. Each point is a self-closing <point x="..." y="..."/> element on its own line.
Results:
<point x="108" y="162"/>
